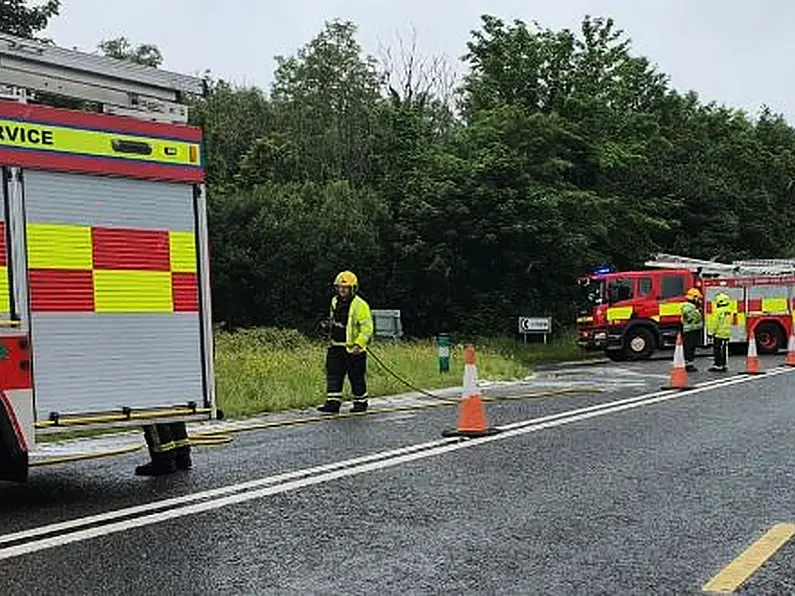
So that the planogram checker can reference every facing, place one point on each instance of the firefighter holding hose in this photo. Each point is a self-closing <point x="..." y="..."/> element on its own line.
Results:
<point x="350" y="324"/>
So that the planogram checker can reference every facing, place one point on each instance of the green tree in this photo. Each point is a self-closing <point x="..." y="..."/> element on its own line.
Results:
<point x="323" y="99"/>
<point x="233" y="120"/>
<point x="277" y="248"/>
<point x="567" y="151"/>
<point x="609" y="98"/>
<point x="20" y="19"/>
<point x="121" y="49"/>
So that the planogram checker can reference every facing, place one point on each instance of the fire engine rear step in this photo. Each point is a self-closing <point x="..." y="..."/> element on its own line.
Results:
<point x="124" y="417"/>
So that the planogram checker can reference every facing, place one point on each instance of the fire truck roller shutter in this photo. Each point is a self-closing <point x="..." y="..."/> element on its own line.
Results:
<point x="769" y="299"/>
<point x="114" y="294"/>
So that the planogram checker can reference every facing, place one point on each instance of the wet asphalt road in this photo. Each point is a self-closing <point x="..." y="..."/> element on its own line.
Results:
<point x="655" y="499"/>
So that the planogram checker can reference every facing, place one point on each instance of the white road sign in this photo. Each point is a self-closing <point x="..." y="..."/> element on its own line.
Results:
<point x="535" y="325"/>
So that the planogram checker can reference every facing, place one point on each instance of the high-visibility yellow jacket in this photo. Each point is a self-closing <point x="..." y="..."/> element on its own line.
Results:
<point x="720" y="323"/>
<point x="691" y="317"/>
<point x="359" y="329"/>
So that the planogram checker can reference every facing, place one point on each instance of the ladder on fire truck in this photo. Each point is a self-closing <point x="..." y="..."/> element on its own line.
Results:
<point x="714" y="268"/>
<point x="28" y="67"/>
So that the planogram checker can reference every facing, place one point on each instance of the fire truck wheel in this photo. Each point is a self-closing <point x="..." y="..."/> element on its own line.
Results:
<point x="769" y="338"/>
<point x="639" y="343"/>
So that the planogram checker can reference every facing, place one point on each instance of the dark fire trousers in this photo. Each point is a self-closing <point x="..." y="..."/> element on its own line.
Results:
<point x="720" y="351"/>
<point x="339" y="363"/>
<point x="166" y="438"/>
<point x="691" y="339"/>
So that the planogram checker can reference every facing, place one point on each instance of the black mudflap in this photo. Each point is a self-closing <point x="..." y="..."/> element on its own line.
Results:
<point x="13" y="449"/>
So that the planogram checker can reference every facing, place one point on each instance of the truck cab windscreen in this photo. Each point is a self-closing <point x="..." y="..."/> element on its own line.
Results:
<point x="591" y="294"/>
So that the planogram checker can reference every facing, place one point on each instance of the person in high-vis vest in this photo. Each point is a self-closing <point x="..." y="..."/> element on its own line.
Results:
<point x="169" y="449"/>
<point x="351" y="327"/>
<point x="692" y="326"/>
<point x="720" y="328"/>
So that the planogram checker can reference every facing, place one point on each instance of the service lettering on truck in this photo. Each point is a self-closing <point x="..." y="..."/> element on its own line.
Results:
<point x="21" y="135"/>
<point x="98" y="143"/>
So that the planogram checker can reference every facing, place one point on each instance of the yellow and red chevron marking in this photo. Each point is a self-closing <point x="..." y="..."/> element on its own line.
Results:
<point x="111" y="270"/>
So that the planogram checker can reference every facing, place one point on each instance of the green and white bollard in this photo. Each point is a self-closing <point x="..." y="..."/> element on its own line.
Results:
<point x="444" y="352"/>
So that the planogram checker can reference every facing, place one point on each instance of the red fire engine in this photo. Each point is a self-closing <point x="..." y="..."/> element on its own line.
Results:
<point x="104" y="263"/>
<point x="631" y="314"/>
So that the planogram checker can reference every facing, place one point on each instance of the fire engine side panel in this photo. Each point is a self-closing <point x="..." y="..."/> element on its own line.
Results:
<point x="768" y="299"/>
<point x="114" y="293"/>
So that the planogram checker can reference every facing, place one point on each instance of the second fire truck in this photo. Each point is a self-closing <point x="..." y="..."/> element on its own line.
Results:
<point x="632" y="314"/>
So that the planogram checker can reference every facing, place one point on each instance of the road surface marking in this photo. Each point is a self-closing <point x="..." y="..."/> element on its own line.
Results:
<point x="252" y="484"/>
<point x="301" y="479"/>
<point x="738" y="571"/>
<point x="207" y="494"/>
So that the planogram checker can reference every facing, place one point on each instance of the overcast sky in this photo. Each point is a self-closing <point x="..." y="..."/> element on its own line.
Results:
<point x="738" y="53"/>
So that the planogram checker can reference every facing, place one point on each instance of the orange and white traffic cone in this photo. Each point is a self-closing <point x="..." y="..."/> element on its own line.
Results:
<point x="791" y="349"/>
<point x="752" y="359"/>
<point x="678" y="378"/>
<point x="471" y="411"/>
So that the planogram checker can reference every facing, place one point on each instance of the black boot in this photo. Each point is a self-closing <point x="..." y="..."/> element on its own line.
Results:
<point x="161" y="464"/>
<point x="179" y="434"/>
<point x="359" y="405"/>
<point x="182" y="458"/>
<point x="161" y="451"/>
<point x="332" y="406"/>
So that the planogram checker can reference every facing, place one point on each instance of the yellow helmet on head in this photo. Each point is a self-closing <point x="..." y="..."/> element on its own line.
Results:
<point x="722" y="300"/>
<point x="347" y="278"/>
<point x="694" y="294"/>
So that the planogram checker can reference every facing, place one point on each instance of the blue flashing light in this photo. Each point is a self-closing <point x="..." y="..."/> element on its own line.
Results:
<point x="603" y="270"/>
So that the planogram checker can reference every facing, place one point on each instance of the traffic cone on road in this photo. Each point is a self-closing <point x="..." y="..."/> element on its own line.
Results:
<point x="791" y="348"/>
<point x="678" y="378"/>
<point x="752" y="359"/>
<point x="471" y="411"/>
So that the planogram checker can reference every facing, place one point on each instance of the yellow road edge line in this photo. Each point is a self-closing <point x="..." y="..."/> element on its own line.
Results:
<point x="744" y="566"/>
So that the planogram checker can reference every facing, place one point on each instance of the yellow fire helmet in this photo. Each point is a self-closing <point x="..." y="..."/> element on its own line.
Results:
<point x="722" y="300"/>
<point x="347" y="278"/>
<point x="694" y="294"/>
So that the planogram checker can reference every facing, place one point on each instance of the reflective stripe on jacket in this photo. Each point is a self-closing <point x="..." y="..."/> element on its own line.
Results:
<point x="359" y="330"/>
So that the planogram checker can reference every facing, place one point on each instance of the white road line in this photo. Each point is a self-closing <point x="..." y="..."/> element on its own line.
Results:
<point x="215" y="492"/>
<point x="252" y="484"/>
<point x="377" y="462"/>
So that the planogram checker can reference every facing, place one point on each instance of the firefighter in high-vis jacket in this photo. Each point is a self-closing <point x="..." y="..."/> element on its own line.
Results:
<point x="692" y="326"/>
<point x="720" y="328"/>
<point x="169" y="449"/>
<point x="351" y="327"/>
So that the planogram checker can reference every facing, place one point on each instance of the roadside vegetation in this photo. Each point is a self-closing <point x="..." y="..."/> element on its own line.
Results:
<point x="268" y="370"/>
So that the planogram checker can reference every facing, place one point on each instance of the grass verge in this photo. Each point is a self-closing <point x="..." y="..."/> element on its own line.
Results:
<point x="268" y="370"/>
